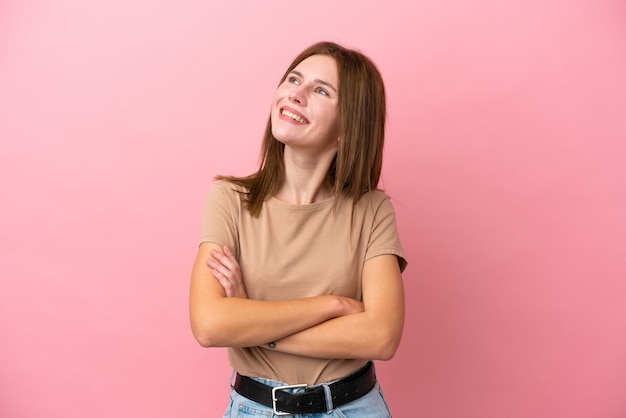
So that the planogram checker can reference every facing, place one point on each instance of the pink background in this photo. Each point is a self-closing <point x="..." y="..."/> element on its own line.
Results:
<point x="505" y="159"/>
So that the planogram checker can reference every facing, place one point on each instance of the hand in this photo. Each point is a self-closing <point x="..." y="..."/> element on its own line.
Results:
<point x="227" y="272"/>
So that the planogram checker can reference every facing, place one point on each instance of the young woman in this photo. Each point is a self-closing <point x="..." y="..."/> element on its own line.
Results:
<point x="299" y="268"/>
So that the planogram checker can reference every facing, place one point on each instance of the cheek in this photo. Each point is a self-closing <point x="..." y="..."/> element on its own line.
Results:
<point x="274" y="109"/>
<point x="334" y="120"/>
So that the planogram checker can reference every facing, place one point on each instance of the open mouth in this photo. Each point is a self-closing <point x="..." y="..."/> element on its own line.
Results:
<point x="293" y="116"/>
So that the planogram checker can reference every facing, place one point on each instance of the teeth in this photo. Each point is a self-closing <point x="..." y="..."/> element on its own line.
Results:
<point x="293" y="116"/>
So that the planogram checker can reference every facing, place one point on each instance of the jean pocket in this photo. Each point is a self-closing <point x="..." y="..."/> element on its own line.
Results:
<point x="247" y="410"/>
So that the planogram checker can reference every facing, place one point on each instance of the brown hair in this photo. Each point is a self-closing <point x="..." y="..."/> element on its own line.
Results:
<point x="356" y="168"/>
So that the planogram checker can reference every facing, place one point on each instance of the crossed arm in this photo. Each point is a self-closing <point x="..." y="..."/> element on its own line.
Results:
<point x="327" y="326"/>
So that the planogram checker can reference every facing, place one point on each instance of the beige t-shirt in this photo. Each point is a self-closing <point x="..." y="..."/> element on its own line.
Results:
<point x="297" y="251"/>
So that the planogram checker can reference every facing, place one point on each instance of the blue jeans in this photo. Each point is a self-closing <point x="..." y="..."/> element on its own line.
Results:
<point x="370" y="405"/>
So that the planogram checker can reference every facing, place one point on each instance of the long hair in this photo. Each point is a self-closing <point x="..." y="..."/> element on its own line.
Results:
<point x="356" y="168"/>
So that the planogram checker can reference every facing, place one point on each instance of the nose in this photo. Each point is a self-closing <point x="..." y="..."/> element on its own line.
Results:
<point x="298" y="95"/>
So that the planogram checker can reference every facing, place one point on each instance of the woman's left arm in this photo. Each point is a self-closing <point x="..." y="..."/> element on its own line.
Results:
<point x="373" y="334"/>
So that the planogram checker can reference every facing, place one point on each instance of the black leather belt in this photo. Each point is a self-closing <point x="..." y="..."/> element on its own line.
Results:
<point x="312" y="399"/>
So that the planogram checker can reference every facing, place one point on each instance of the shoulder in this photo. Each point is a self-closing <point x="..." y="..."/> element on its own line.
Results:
<point x="226" y="189"/>
<point x="374" y="200"/>
<point x="226" y="194"/>
<point x="377" y="195"/>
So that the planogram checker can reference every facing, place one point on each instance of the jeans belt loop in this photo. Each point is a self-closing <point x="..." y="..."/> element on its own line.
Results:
<point x="329" y="398"/>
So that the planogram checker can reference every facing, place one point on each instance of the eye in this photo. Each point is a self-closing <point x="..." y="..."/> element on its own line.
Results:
<point x="322" y="91"/>
<point x="293" y="80"/>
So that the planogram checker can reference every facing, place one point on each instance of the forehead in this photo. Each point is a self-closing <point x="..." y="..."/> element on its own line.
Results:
<point x="323" y="67"/>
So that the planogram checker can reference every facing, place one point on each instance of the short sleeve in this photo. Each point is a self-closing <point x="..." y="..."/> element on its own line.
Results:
<point x="384" y="238"/>
<point x="220" y="216"/>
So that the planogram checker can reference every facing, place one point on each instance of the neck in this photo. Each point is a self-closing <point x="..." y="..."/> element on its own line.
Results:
<point x="306" y="178"/>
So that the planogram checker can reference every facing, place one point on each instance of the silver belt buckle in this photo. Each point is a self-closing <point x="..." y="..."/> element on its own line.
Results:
<point x="276" y="411"/>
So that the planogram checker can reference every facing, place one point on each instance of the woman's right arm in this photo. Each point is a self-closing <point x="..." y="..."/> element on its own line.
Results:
<point x="221" y="321"/>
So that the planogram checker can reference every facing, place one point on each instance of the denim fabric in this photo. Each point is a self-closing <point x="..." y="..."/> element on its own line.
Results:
<point x="371" y="405"/>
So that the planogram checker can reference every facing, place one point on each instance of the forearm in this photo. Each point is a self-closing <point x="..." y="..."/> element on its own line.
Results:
<point x="374" y="333"/>
<point x="360" y="336"/>
<point x="234" y="322"/>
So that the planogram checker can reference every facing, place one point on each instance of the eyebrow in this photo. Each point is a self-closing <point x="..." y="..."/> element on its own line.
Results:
<point x="317" y="80"/>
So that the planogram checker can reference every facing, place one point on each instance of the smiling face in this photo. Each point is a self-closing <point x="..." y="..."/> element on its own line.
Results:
<point x="305" y="109"/>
